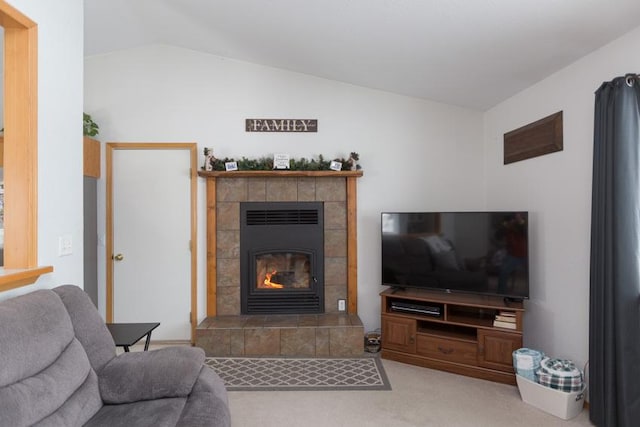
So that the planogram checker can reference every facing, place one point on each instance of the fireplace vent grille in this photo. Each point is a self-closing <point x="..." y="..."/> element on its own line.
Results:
<point x="282" y="217"/>
<point x="270" y="304"/>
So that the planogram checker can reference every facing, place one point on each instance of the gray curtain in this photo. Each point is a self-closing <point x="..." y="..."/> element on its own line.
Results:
<point x="614" y="307"/>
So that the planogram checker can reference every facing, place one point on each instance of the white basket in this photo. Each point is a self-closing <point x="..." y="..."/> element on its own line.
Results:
<point x="559" y="403"/>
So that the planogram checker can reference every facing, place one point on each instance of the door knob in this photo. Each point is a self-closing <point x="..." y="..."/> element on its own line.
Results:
<point x="118" y="257"/>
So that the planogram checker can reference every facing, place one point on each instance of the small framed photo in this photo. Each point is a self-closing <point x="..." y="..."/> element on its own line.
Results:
<point x="231" y="166"/>
<point x="281" y="161"/>
<point x="335" y="166"/>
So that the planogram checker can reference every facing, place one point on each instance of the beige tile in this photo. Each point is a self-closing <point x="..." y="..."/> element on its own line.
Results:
<point x="256" y="189"/>
<point x="228" y="216"/>
<point x="346" y="341"/>
<point x="228" y="244"/>
<point x="307" y="320"/>
<point x="228" y="272"/>
<point x="332" y="293"/>
<point x="306" y="189"/>
<point x="335" y="216"/>
<point x="281" y="321"/>
<point x="335" y="271"/>
<point x="322" y="342"/>
<point x="226" y="322"/>
<point x="331" y="189"/>
<point x="335" y="243"/>
<point x="236" y="342"/>
<point x="214" y="342"/>
<point x="262" y="342"/>
<point x="255" y="321"/>
<point x="334" y="319"/>
<point x="228" y="301"/>
<point x="231" y="189"/>
<point x="355" y="320"/>
<point x="282" y="190"/>
<point x="298" y="342"/>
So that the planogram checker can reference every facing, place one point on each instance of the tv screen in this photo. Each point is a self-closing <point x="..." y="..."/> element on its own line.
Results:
<point x="476" y="252"/>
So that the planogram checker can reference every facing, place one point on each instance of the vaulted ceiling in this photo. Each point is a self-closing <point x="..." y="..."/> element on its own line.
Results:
<point x="472" y="53"/>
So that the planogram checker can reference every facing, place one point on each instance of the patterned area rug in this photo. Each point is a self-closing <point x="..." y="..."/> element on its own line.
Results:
<point x="262" y="374"/>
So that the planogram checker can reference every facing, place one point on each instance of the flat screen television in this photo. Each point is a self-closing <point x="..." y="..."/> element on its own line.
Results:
<point x="475" y="252"/>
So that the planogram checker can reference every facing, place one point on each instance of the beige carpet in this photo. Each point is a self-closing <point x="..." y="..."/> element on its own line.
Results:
<point x="419" y="397"/>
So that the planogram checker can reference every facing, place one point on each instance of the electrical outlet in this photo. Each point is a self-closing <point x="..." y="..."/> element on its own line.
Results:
<point x="342" y="305"/>
<point x="65" y="245"/>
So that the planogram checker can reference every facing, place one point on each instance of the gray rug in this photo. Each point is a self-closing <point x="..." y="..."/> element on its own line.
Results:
<point x="266" y="374"/>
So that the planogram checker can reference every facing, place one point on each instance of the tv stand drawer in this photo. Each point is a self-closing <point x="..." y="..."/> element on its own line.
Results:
<point x="447" y="349"/>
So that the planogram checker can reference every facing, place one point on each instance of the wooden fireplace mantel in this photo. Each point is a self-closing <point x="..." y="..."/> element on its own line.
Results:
<point x="352" y="242"/>
<point x="279" y="174"/>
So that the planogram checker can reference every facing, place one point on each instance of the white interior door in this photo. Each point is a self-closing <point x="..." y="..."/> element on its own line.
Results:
<point x="151" y="234"/>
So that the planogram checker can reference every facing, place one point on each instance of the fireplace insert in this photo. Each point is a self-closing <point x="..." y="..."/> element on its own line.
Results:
<point x="282" y="257"/>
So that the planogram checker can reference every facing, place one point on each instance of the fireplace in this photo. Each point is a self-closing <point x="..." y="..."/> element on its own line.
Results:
<point x="281" y="257"/>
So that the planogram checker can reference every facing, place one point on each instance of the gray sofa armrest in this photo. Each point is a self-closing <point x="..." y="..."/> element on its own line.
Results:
<point x="146" y="375"/>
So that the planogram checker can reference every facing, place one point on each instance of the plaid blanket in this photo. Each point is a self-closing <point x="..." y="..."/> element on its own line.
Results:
<point x="560" y="374"/>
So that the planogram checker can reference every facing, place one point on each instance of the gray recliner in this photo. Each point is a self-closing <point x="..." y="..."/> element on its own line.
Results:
<point x="58" y="367"/>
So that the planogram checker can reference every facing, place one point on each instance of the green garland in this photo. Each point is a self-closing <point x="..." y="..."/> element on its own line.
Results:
<point x="302" y="164"/>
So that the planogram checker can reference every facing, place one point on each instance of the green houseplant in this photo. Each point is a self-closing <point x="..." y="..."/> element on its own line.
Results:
<point x="89" y="127"/>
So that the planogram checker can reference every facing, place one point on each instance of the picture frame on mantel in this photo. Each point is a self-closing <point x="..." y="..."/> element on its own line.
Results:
<point x="541" y="137"/>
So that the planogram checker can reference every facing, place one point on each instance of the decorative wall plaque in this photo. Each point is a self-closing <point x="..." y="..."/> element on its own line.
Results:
<point x="281" y="125"/>
<point x="535" y="139"/>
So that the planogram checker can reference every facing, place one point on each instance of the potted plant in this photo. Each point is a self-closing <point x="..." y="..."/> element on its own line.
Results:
<point x="89" y="127"/>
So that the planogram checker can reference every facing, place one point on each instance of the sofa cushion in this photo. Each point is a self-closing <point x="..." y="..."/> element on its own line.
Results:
<point x="88" y="326"/>
<point x="34" y="330"/>
<point x="148" y="413"/>
<point x="208" y="403"/>
<point x="79" y="408"/>
<point x="166" y="372"/>
<point x="45" y="372"/>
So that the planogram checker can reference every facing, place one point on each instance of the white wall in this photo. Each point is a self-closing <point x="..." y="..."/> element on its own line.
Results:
<point x="60" y="74"/>
<point x="556" y="189"/>
<point x="416" y="155"/>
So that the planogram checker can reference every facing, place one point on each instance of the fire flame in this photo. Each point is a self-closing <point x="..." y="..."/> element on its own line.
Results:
<point x="270" y="285"/>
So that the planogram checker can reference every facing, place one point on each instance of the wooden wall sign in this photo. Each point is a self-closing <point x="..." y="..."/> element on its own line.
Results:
<point x="281" y="125"/>
<point x="535" y="139"/>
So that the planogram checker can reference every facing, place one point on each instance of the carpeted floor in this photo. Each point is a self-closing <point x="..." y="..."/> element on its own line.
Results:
<point x="269" y="374"/>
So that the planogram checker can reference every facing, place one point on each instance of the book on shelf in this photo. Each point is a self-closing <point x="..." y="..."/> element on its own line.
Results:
<point x="507" y="313"/>
<point x="502" y="318"/>
<point x="501" y="324"/>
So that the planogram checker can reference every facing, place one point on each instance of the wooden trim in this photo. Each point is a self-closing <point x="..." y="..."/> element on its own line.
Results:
<point x="194" y="240"/>
<point x="20" y="149"/>
<point x="109" y="231"/>
<point x="21" y="139"/>
<point x="212" y="261"/>
<point x="192" y="147"/>
<point x="10" y="279"/>
<point x="12" y="18"/>
<point x="278" y="174"/>
<point x="352" y="246"/>
<point x="91" y="157"/>
<point x="541" y="137"/>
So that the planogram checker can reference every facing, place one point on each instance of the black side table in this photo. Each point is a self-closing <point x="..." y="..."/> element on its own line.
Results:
<point x="127" y="334"/>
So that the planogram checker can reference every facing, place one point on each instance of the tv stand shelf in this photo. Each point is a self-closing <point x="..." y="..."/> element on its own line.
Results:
<point x="460" y="339"/>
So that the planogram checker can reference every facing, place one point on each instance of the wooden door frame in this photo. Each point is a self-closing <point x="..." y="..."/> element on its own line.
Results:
<point x="192" y="147"/>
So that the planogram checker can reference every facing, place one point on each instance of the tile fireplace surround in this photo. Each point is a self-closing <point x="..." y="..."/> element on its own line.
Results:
<point x="227" y="332"/>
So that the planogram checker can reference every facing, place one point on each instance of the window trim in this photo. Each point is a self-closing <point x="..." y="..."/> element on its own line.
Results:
<point x="20" y="150"/>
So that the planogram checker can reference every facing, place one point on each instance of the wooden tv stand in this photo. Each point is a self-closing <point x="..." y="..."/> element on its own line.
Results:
<point x="461" y="339"/>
